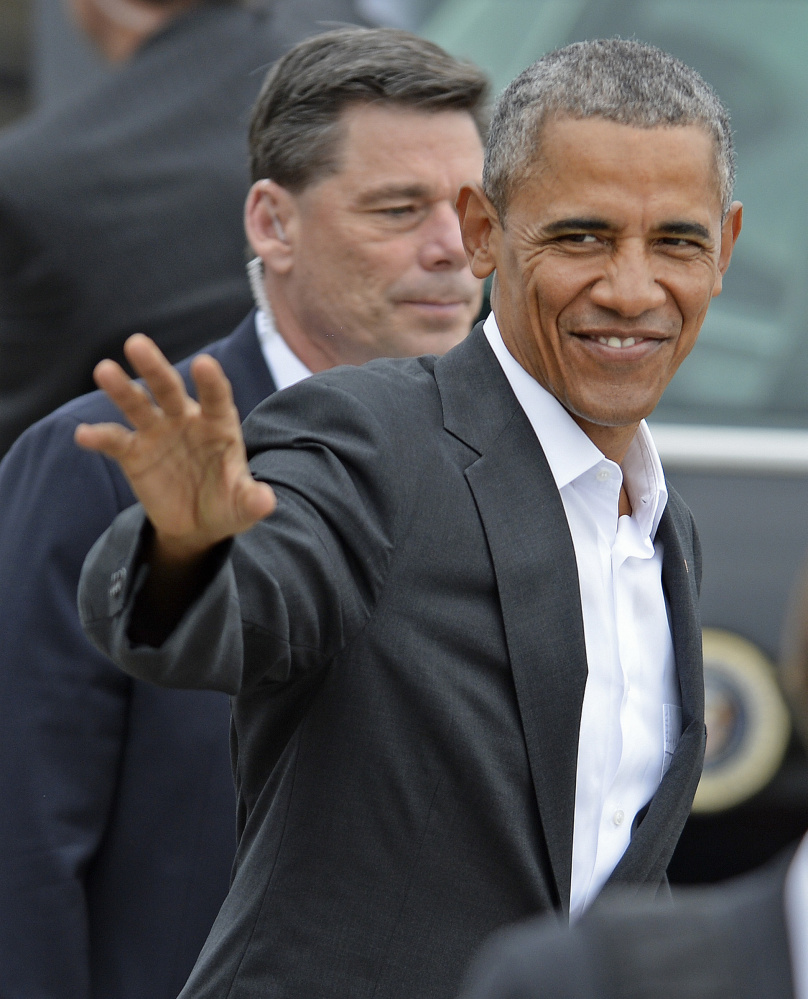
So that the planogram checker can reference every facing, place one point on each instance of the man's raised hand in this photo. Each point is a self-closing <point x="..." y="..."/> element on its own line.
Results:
<point x="185" y="460"/>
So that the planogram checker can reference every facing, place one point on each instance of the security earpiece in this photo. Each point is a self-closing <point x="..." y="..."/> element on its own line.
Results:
<point x="276" y="222"/>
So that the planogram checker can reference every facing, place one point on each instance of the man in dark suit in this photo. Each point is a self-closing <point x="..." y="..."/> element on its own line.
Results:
<point x="453" y="601"/>
<point x="120" y="207"/>
<point x="119" y="832"/>
<point x="744" y="939"/>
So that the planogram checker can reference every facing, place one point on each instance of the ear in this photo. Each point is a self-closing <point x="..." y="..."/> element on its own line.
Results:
<point x="478" y="223"/>
<point x="269" y="222"/>
<point x="730" y="230"/>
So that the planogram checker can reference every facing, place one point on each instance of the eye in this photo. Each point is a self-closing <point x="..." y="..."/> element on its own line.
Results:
<point x="580" y="238"/>
<point x="681" y="244"/>
<point x="399" y="211"/>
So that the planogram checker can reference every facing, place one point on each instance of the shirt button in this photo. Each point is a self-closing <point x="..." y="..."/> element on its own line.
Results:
<point x="603" y="475"/>
<point x="618" y="817"/>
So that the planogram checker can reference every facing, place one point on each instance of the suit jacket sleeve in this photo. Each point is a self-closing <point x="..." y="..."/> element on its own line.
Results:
<point x="290" y="593"/>
<point x="62" y="711"/>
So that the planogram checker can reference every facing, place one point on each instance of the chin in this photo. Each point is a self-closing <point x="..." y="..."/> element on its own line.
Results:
<point x="440" y="343"/>
<point x="618" y="408"/>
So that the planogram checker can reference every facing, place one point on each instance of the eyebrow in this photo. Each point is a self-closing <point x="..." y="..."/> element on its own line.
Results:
<point x="594" y="224"/>
<point x="686" y="229"/>
<point x="577" y="224"/>
<point x="392" y="192"/>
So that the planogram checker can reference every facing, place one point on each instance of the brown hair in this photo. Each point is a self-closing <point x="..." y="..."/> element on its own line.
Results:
<point x="295" y="126"/>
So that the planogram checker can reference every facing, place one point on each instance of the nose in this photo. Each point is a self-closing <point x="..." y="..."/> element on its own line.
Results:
<point x="629" y="286"/>
<point x="441" y="247"/>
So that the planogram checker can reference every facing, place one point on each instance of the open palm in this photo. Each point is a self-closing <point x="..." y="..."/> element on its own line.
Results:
<point x="184" y="459"/>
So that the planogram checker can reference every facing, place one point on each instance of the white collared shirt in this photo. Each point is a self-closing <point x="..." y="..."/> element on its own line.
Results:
<point x="796" y="902"/>
<point x="285" y="367"/>
<point x="631" y="718"/>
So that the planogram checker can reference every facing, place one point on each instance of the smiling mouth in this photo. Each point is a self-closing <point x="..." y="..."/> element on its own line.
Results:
<point x="615" y="341"/>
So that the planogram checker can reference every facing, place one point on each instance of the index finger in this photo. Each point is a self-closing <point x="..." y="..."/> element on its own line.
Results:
<point x="213" y="388"/>
<point x="129" y="396"/>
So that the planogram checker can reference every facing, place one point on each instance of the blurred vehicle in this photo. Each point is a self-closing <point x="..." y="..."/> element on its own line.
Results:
<point x="733" y="427"/>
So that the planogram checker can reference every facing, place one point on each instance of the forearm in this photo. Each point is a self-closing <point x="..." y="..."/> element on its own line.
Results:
<point x="175" y="579"/>
<point x="204" y="648"/>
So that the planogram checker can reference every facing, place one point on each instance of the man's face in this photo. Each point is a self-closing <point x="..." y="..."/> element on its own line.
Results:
<point x="606" y="262"/>
<point x="379" y="267"/>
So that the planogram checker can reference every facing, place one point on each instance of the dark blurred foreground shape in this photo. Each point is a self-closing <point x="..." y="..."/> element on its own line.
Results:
<point x="743" y="939"/>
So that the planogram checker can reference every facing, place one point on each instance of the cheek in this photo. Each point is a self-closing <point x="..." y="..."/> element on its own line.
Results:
<point x="692" y="311"/>
<point x="553" y="304"/>
<point x="344" y="269"/>
<point x="693" y="289"/>
<point x="372" y="264"/>
<point x="537" y="331"/>
<point x="557" y="287"/>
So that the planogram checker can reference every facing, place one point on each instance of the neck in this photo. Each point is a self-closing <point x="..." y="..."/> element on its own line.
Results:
<point x="312" y="351"/>
<point x="119" y="27"/>
<point x="613" y="442"/>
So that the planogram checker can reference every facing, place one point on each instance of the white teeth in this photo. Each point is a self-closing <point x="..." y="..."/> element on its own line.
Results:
<point x="614" y="341"/>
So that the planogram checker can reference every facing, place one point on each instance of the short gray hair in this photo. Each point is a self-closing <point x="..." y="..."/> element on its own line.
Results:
<point x="624" y="81"/>
<point x="295" y="129"/>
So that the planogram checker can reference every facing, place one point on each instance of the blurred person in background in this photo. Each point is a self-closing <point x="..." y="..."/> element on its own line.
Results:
<point x="120" y="205"/>
<point x="118" y="829"/>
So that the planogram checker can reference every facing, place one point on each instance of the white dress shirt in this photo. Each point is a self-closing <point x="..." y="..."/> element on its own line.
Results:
<point x="631" y="718"/>
<point x="285" y="367"/>
<point x="796" y="900"/>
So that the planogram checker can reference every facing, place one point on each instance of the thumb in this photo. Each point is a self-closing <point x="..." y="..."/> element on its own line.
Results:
<point x="255" y="501"/>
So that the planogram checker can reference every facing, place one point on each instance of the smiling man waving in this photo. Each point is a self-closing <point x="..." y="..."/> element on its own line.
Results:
<point x="453" y="599"/>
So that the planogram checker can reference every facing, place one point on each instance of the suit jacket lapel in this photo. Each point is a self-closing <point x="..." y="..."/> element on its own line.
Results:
<point x="534" y="563"/>
<point x="681" y="589"/>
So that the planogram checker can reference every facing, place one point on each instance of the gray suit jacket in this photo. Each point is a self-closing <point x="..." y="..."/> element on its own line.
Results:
<point x="121" y="211"/>
<point x="718" y="942"/>
<point x="404" y="643"/>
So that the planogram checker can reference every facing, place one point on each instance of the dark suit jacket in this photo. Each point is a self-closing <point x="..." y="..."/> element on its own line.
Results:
<point x="121" y="211"/>
<point x="405" y="644"/>
<point x="722" y="942"/>
<point x="117" y="830"/>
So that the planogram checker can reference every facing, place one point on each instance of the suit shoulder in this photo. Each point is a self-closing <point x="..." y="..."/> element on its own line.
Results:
<point x="96" y="407"/>
<point x="202" y="72"/>
<point x="377" y="417"/>
<point x="681" y="513"/>
<point x="677" y="502"/>
<point x="385" y="378"/>
<point x="388" y="390"/>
